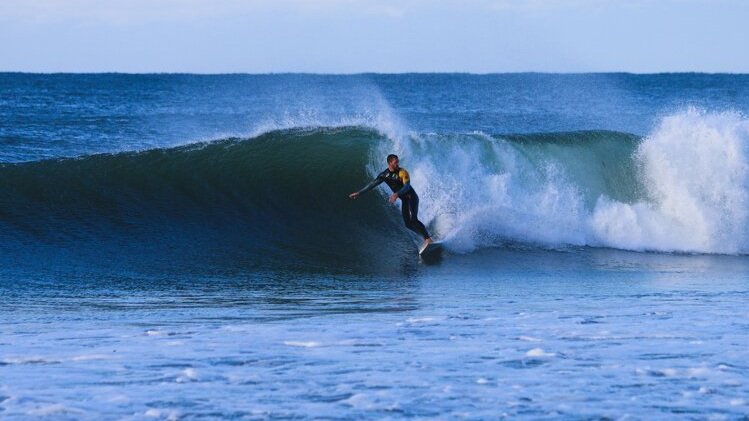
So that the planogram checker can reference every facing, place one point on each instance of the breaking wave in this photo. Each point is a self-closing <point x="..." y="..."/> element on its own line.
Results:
<point x="282" y="195"/>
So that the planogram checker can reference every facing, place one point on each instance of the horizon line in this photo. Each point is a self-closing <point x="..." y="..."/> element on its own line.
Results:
<point x="291" y="73"/>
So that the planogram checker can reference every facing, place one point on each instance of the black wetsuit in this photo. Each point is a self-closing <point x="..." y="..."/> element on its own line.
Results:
<point x="400" y="183"/>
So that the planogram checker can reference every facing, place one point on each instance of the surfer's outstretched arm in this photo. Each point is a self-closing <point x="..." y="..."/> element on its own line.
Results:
<point x="372" y="184"/>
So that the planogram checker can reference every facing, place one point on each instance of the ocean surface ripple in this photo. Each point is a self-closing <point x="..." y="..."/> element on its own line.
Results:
<point x="183" y="247"/>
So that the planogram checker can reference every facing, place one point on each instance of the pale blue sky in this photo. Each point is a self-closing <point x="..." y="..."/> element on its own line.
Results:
<point x="350" y="36"/>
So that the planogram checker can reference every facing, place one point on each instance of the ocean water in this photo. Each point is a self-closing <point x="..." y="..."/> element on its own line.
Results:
<point x="182" y="247"/>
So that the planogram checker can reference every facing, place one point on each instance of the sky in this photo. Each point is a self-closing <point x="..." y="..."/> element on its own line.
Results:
<point x="384" y="36"/>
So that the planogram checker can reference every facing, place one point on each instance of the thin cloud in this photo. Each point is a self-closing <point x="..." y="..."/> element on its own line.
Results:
<point x="123" y="12"/>
<point x="555" y="5"/>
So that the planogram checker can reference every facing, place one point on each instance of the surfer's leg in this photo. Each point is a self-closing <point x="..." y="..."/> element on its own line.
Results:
<point x="420" y="228"/>
<point x="410" y="211"/>
<point x="406" y="213"/>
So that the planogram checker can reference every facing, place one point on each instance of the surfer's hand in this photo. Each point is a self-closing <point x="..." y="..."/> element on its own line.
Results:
<point x="393" y="197"/>
<point x="353" y="195"/>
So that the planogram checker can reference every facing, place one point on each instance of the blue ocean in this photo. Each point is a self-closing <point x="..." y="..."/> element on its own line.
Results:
<point x="183" y="247"/>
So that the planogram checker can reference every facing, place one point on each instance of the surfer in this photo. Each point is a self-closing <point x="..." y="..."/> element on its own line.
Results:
<point x="399" y="182"/>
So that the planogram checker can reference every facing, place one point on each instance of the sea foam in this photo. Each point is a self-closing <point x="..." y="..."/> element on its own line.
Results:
<point x="685" y="188"/>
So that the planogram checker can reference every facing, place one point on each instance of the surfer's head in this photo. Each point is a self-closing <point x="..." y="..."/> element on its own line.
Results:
<point x="392" y="162"/>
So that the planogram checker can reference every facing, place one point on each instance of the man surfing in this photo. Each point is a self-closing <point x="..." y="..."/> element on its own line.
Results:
<point x="399" y="182"/>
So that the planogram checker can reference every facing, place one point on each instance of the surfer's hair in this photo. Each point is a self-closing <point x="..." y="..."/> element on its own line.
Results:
<point x="392" y="157"/>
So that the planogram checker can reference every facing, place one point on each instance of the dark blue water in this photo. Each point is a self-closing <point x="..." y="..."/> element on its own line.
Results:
<point x="69" y="115"/>
<point x="182" y="246"/>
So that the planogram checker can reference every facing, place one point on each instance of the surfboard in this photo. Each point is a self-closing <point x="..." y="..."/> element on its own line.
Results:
<point x="432" y="249"/>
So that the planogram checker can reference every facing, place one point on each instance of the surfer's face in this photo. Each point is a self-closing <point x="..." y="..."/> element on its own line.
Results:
<point x="393" y="165"/>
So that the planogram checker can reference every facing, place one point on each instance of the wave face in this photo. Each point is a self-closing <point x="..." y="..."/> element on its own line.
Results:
<point x="282" y="196"/>
<point x="486" y="191"/>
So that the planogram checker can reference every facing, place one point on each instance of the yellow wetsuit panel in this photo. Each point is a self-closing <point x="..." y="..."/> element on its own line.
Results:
<point x="403" y="175"/>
